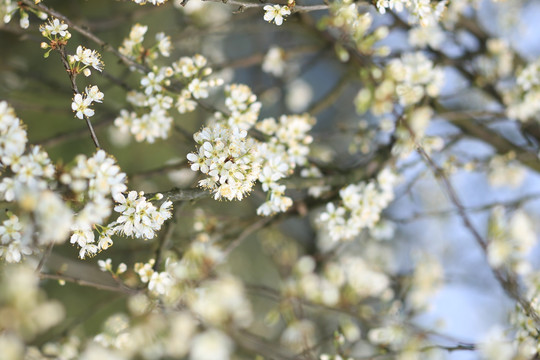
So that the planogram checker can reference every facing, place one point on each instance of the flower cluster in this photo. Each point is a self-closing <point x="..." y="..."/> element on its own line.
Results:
<point x="243" y="106"/>
<point x="97" y="179"/>
<point x="12" y="137"/>
<point x="158" y="282"/>
<point x="106" y="266"/>
<point x="133" y="45"/>
<point x="287" y="146"/>
<point x="276" y="13"/>
<point x="345" y="16"/>
<point x="423" y="36"/>
<point x="524" y="99"/>
<point x="55" y="30"/>
<point x="328" y="288"/>
<point x="94" y="181"/>
<point x="84" y="59"/>
<point x="415" y="76"/>
<point x="497" y="64"/>
<point x="221" y="301"/>
<point x="233" y="160"/>
<point x="361" y="207"/>
<point x="140" y="218"/>
<point x="122" y="335"/>
<point x="57" y="33"/>
<point x="410" y="78"/>
<point x="313" y="172"/>
<point x="230" y="159"/>
<point x="11" y="248"/>
<point x="41" y="210"/>
<point x="179" y="85"/>
<point x="227" y="154"/>
<point x="215" y="300"/>
<point x="425" y="12"/>
<point x="505" y="170"/>
<point x="426" y="280"/>
<point x="499" y="344"/>
<point x="193" y="73"/>
<point x="30" y="311"/>
<point x="524" y="342"/>
<point x="149" y="126"/>
<point x="9" y="7"/>
<point x="510" y="240"/>
<point x="411" y="132"/>
<point x="82" y="102"/>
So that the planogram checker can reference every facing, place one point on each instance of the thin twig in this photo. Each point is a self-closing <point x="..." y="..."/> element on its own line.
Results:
<point x="160" y="170"/>
<point x="44" y="258"/>
<point x="72" y="78"/>
<point x="71" y="134"/>
<point x="297" y="8"/>
<point x="121" y="289"/>
<point x="165" y="238"/>
<point x="247" y="232"/>
<point x="330" y="98"/>
<point x="176" y="194"/>
<point x="92" y="132"/>
<point x="65" y="62"/>
<point x="478" y="208"/>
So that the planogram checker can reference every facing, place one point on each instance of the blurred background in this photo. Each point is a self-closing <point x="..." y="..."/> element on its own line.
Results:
<point x="422" y="222"/>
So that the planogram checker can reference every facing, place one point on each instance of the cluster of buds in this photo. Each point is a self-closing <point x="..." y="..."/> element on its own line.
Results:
<point x="56" y="32"/>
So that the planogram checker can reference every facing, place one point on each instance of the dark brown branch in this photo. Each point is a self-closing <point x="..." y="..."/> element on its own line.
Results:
<point x="501" y="145"/>
<point x="506" y="278"/>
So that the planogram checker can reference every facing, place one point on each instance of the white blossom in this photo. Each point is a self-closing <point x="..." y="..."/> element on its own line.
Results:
<point x="276" y="13"/>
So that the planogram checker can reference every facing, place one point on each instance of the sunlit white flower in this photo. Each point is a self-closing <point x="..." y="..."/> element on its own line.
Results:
<point x="276" y="13"/>
<point x="55" y="27"/>
<point x="81" y="105"/>
<point x="94" y="94"/>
